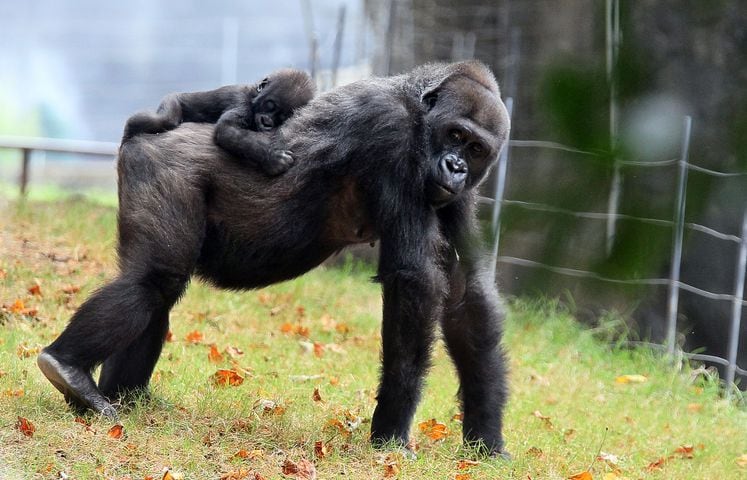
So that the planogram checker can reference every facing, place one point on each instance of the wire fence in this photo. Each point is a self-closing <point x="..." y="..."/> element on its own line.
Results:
<point x="677" y="224"/>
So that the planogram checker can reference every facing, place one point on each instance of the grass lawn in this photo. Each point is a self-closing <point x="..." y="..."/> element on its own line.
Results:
<point x="307" y="352"/>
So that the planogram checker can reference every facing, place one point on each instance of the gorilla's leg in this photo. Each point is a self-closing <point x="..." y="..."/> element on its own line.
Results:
<point x="412" y="286"/>
<point x="472" y="331"/>
<point x="161" y="229"/>
<point x="107" y="322"/>
<point x="130" y="370"/>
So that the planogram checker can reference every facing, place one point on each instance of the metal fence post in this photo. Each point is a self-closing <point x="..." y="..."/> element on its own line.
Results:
<point x="23" y="180"/>
<point x="736" y="308"/>
<point x="500" y="188"/>
<point x="679" y="227"/>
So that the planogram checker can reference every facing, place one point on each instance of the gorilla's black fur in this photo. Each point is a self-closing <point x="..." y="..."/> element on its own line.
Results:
<point x="396" y="159"/>
<point x="244" y="114"/>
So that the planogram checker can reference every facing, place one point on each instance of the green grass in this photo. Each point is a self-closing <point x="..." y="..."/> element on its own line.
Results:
<point x="557" y="368"/>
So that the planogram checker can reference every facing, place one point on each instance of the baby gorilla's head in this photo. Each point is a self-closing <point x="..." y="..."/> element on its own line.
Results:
<point x="279" y="95"/>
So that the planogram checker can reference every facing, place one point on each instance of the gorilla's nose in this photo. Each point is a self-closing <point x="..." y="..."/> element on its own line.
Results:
<point x="452" y="164"/>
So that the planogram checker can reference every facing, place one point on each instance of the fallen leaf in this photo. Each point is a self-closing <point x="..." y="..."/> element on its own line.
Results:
<point x="334" y="381"/>
<point x="742" y="460"/>
<point x="287" y="327"/>
<point x="214" y="355"/>
<point x="17" y="306"/>
<point x="224" y="377"/>
<point x="462" y="476"/>
<point x="195" y="336"/>
<point x="321" y="449"/>
<point x="585" y="475"/>
<point x="241" y="454"/>
<point x="391" y="463"/>
<point x="545" y="419"/>
<point x="169" y="336"/>
<point x="466" y="464"/>
<point x="694" y="407"/>
<point x="609" y="458"/>
<point x="234" y="352"/>
<point x="316" y="396"/>
<point x="631" y="379"/>
<point x="535" y="452"/>
<point x="116" y="432"/>
<point x="433" y="430"/>
<point x="569" y="434"/>
<point x="303" y="469"/>
<point x="25" y="427"/>
<point x="25" y="351"/>
<point x="656" y="464"/>
<point x="685" y="451"/>
<point x="318" y="349"/>
<point x="70" y="289"/>
<point x="35" y="289"/>
<point x="169" y="474"/>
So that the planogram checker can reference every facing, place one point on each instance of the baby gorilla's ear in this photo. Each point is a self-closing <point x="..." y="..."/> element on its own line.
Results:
<point x="262" y="84"/>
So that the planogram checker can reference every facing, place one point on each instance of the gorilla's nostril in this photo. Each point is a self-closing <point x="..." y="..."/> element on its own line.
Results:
<point x="455" y="164"/>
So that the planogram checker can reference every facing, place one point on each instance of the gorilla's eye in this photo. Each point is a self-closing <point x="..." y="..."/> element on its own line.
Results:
<point x="455" y="135"/>
<point x="269" y="106"/>
<point x="477" y="148"/>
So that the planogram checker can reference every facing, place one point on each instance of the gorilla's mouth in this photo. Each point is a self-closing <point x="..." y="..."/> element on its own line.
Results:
<point x="445" y="190"/>
<point x="266" y="123"/>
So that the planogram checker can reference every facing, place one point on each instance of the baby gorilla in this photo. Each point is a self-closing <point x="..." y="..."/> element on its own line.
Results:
<point x="242" y="113"/>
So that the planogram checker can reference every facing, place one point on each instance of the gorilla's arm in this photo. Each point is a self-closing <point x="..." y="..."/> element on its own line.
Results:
<point x="177" y="108"/>
<point x="258" y="148"/>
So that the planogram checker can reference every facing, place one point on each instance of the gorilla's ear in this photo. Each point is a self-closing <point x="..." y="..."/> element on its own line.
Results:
<point x="429" y="99"/>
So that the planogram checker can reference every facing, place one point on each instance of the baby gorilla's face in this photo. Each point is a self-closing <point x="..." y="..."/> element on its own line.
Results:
<point x="269" y="114"/>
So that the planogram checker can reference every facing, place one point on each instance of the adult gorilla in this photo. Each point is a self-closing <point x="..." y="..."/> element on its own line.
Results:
<point x="396" y="159"/>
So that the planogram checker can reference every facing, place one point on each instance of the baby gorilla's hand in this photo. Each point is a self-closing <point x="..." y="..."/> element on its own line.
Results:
<point x="279" y="162"/>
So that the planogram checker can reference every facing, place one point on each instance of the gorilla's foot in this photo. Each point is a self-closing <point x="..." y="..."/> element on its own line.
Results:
<point x="76" y="384"/>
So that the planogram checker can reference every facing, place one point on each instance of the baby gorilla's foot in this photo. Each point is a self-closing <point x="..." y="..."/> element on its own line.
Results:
<point x="75" y="383"/>
<point x="279" y="162"/>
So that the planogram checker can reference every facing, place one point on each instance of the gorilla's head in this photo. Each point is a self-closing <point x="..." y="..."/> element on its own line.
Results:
<point x="466" y="125"/>
<point x="278" y="96"/>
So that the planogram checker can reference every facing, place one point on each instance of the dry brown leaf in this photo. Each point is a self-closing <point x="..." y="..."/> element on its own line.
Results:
<point x="466" y="464"/>
<point x="694" y="407"/>
<point x="195" y="336"/>
<point x="321" y="449"/>
<point x="214" y="355"/>
<point x="318" y="349"/>
<point x="70" y="289"/>
<point x="585" y="475"/>
<point x="116" y="432"/>
<point x="17" y="306"/>
<point x="35" y="289"/>
<point x="169" y="336"/>
<point x="25" y="351"/>
<point x="302" y="470"/>
<point x="234" y="352"/>
<point x="169" y="474"/>
<point x="634" y="378"/>
<point x="14" y="393"/>
<point x="316" y="396"/>
<point x="685" y="451"/>
<point x="391" y="463"/>
<point x="462" y="476"/>
<point x="334" y="381"/>
<point x="433" y="429"/>
<point x="25" y="426"/>
<point x="545" y="419"/>
<point x="224" y="377"/>
<point x="656" y="464"/>
<point x="535" y="452"/>
<point x="742" y="460"/>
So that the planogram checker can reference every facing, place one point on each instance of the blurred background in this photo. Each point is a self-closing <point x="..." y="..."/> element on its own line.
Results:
<point x="625" y="178"/>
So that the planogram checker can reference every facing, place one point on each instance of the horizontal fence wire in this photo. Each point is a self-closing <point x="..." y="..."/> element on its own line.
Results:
<point x="543" y="207"/>
<point x="574" y="272"/>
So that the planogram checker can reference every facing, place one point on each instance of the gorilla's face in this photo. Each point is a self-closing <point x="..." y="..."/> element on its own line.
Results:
<point x="467" y="125"/>
<point x="278" y="96"/>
